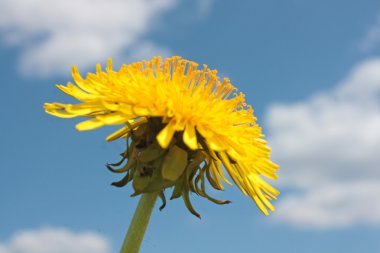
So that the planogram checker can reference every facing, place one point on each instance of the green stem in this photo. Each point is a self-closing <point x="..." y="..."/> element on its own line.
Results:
<point x="139" y="223"/>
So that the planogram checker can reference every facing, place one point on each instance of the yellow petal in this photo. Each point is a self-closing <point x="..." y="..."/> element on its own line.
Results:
<point x="217" y="167"/>
<point x="216" y="143"/>
<point x="140" y="111"/>
<point x="166" y="134"/>
<point x="231" y="170"/>
<point x="262" y="197"/>
<point x="119" y="133"/>
<point x="82" y="109"/>
<point x="75" y="92"/>
<point x="112" y="106"/>
<point x="113" y="118"/>
<point x="204" y="131"/>
<point x="125" y="131"/>
<point x="89" y="125"/>
<point x="259" y="204"/>
<point x="190" y="137"/>
<point x="61" y="114"/>
<point x="58" y="110"/>
<point x="80" y="82"/>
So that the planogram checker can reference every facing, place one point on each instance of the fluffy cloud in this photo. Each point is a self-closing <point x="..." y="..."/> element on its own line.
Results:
<point x="328" y="147"/>
<point x="53" y="240"/>
<point x="56" y="34"/>
<point x="333" y="205"/>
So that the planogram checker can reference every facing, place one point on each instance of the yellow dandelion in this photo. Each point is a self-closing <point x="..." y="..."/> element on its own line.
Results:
<point x="185" y="127"/>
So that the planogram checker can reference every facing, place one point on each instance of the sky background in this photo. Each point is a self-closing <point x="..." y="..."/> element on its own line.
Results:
<point x="311" y="70"/>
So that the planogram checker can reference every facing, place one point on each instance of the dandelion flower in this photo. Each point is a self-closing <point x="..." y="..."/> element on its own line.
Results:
<point x="184" y="127"/>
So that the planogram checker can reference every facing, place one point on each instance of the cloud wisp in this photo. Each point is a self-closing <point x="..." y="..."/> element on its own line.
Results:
<point x="53" y="35"/>
<point x="55" y="240"/>
<point x="372" y="38"/>
<point x="328" y="147"/>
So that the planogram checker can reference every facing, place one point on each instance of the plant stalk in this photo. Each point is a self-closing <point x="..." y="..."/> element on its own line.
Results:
<point x="139" y="223"/>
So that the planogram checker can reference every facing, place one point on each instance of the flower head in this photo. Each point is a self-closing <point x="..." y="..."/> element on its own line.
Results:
<point x="183" y="124"/>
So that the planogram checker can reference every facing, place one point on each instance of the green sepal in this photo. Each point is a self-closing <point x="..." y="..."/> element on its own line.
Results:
<point x="140" y="130"/>
<point x="202" y="190"/>
<point x="152" y="152"/>
<point x="198" y="178"/>
<point x="177" y="190"/>
<point x="174" y="164"/>
<point x="130" y="173"/>
<point x="130" y="164"/>
<point x="122" y="182"/>
<point x="140" y="181"/>
<point x="206" y="149"/>
<point x="128" y="153"/>
<point x="186" y="200"/>
<point x="190" y="173"/>
<point x="153" y="179"/>
<point x="163" y="199"/>
<point x="157" y="185"/>
<point x="124" y="156"/>
<point x="192" y="168"/>
<point x="210" y="178"/>
<point x="217" y="201"/>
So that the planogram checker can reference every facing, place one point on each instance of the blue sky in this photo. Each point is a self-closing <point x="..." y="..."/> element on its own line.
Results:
<point x="311" y="70"/>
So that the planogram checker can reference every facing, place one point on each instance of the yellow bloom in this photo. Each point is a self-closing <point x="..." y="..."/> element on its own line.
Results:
<point x="180" y="112"/>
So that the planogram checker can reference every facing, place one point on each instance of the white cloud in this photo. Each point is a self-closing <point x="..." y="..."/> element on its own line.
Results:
<point x="55" y="240"/>
<point x="329" y="147"/>
<point x="3" y="249"/>
<point x="54" y="35"/>
<point x="146" y="50"/>
<point x="372" y="37"/>
<point x="333" y="205"/>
